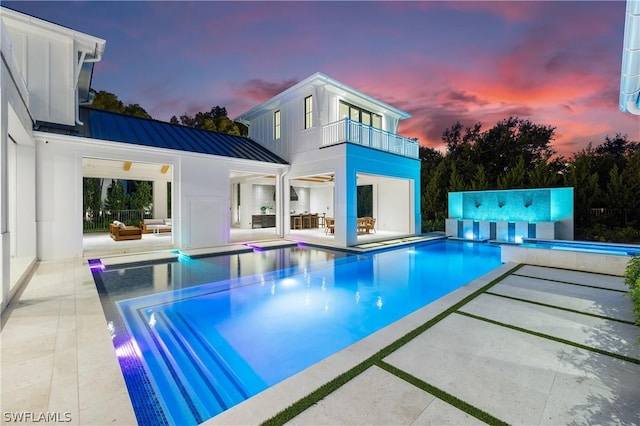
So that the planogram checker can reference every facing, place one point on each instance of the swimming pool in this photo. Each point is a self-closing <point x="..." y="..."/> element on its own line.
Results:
<point x="584" y="246"/>
<point x="207" y="344"/>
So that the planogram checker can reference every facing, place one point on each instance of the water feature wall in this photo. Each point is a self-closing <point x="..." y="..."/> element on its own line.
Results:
<point x="511" y="215"/>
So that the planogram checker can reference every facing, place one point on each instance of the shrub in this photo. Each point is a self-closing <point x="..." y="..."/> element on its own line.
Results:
<point x="632" y="279"/>
<point x="603" y="233"/>
<point x="429" y="225"/>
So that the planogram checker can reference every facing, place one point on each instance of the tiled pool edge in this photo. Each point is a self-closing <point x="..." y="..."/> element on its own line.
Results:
<point x="57" y="372"/>
<point x="270" y="402"/>
<point x="572" y="260"/>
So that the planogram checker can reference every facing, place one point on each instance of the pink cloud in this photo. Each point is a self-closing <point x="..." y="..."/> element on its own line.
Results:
<point x="260" y="90"/>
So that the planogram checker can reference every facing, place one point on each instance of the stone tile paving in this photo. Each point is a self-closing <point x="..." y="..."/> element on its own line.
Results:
<point x="516" y="360"/>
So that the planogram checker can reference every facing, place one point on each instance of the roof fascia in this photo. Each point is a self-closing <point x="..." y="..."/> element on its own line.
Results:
<point x="318" y="79"/>
<point x="83" y="42"/>
<point x="114" y="145"/>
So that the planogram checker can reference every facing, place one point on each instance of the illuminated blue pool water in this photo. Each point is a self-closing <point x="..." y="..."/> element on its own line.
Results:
<point x="209" y="346"/>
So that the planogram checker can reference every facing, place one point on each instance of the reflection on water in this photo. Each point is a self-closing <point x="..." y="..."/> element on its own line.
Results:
<point x="133" y="281"/>
<point x="253" y="319"/>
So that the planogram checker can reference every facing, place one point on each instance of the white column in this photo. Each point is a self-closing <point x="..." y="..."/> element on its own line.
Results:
<point x="467" y="229"/>
<point x="160" y="199"/>
<point x="522" y="231"/>
<point x="502" y="230"/>
<point x="451" y="227"/>
<point x="545" y="231"/>
<point x="246" y="205"/>
<point x="346" y="209"/>
<point x="283" y="206"/>
<point x="485" y="230"/>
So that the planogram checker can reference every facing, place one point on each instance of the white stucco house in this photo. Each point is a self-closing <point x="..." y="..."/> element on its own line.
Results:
<point x="308" y="149"/>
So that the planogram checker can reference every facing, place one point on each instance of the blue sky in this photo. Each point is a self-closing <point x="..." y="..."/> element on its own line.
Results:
<point x="555" y="63"/>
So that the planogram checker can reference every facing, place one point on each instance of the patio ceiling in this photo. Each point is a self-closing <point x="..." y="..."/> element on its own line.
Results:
<point x="116" y="169"/>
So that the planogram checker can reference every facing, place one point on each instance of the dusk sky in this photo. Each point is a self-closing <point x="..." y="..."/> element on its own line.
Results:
<point x="554" y="63"/>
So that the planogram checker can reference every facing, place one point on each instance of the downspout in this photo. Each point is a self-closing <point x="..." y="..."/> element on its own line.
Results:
<point x="98" y="52"/>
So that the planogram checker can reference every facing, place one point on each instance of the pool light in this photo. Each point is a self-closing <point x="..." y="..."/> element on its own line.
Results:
<point x="96" y="264"/>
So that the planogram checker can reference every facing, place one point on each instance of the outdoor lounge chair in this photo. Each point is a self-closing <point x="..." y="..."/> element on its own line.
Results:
<point x="119" y="231"/>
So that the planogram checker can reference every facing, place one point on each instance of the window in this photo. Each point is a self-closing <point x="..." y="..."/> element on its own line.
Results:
<point x="377" y="121"/>
<point x="276" y="125"/>
<point x="308" y="112"/>
<point x="365" y="118"/>
<point x="360" y="115"/>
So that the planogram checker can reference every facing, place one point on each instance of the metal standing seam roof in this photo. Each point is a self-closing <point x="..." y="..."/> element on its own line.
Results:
<point x="111" y="126"/>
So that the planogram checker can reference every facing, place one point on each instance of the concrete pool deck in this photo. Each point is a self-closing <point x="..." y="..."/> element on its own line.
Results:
<point x="538" y="346"/>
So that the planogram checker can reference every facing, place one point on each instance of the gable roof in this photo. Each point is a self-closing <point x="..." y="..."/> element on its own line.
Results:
<point x="112" y="126"/>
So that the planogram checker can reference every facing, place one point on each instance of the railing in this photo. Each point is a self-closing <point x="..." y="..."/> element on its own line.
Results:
<point x="99" y="221"/>
<point x="354" y="132"/>
<point x="603" y="212"/>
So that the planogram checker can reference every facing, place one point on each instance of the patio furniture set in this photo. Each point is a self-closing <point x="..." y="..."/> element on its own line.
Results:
<point x="121" y="232"/>
<point x="366" y="225"/>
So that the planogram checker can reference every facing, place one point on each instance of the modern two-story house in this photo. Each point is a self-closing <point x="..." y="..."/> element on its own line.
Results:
<point x="334" y="139"/>
<point x="308" y="149"/>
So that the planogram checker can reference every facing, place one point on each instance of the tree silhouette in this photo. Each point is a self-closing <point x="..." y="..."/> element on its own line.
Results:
<point x="109" y="102"/>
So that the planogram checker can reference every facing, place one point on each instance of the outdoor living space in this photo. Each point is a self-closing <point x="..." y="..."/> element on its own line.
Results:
<point x="382" y="208"/>
<point x="572" y="357"/>
<point x="382" y="205"/>
<point x="98" y="244"/>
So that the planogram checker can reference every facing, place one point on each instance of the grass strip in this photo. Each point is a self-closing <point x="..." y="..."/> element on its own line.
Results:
<point x="560" y="308"/>
<point x="442" y="395"/>
<point x="571" y="270"/>
<point x="554" y="338"/>
<point x="304" y="403"/>
<point x="570" y="283"/>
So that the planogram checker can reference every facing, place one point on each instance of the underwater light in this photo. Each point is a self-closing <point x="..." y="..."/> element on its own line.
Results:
<point x="96" y="264"/>
<point x="518" y="239"/>
<point x="182" y="257"/>
<point x="468" y="235"/>
<point x="129" y="349"/>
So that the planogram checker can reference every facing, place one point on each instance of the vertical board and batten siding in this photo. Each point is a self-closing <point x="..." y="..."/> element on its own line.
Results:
<point x="49" y="61"/>
<point x="295" y="138"/>
<point x="261" y="131"/>
<point x="292" y="130"/>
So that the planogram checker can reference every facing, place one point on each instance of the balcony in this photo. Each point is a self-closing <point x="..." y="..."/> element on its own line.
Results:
<point x="354" y="132"/>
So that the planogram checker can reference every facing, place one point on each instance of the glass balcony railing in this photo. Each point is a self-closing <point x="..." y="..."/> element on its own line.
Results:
<point x="354" y="132"/>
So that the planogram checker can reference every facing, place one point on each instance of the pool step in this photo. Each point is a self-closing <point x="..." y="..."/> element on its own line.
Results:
<point x="203" y="379"/>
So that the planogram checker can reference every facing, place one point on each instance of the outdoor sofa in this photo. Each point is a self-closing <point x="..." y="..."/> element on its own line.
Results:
<point x="155" y="225"/>
<point x="119" y="231"/>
